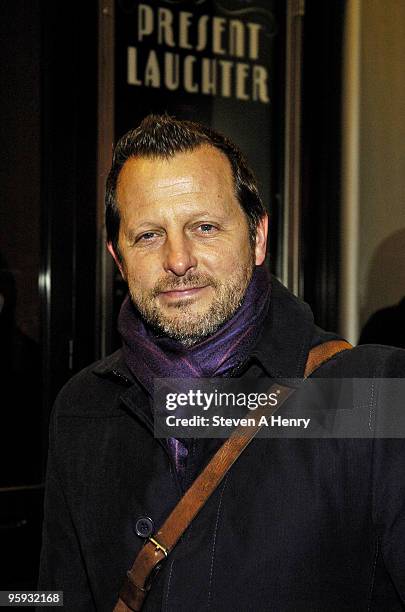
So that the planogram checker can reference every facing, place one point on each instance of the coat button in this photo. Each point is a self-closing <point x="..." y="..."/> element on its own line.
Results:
<point x="144" y="527"/>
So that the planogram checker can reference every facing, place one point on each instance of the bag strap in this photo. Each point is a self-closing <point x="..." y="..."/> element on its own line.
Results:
<point x="157" y="548"/>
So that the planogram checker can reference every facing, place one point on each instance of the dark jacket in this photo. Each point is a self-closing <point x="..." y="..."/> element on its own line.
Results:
<point x="297" y="525"/>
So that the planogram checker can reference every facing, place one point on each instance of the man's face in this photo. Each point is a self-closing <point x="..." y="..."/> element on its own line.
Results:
<point x="184" y="242"/>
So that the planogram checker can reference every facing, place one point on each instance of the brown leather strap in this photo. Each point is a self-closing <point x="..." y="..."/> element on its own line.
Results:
<point x="322" y="353"/>
<point x="156" y="549"/>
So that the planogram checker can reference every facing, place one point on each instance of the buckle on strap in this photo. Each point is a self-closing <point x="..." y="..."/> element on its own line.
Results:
<point x="159" y="546"/>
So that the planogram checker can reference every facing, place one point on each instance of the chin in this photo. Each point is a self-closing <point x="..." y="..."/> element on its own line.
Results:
<point x="186" y="329"/>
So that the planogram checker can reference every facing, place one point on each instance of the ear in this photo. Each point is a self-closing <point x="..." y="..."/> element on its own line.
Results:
<point x="261" y="240"/>
<point x="117" y="260"/>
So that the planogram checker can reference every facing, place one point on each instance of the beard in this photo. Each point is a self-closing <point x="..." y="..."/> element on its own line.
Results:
<point x="182" y="323"/>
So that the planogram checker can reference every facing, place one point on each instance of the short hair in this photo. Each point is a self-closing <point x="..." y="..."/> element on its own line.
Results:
<point x="162" y="136"/>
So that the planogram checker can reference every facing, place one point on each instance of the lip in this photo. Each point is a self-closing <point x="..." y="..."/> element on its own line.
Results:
<point x="183" y="293"/>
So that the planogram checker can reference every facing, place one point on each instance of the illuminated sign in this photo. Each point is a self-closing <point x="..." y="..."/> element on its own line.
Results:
<point x="207" y="54"/>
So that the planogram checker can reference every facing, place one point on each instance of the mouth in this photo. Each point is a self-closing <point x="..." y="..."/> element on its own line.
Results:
<point x="183" y="293"/>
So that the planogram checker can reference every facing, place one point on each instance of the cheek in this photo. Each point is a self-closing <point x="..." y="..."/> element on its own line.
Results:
<point x="140" y="274"/>
<point x="229" y="261"/>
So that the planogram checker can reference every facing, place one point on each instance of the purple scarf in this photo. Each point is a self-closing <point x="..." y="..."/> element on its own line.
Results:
<point x="149" y="356"/>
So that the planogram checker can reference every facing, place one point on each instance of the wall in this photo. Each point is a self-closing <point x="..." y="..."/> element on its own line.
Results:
<point x="382" y="156"/>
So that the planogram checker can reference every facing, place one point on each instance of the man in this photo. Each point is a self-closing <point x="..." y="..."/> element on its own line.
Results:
<point x="296" y="524"/>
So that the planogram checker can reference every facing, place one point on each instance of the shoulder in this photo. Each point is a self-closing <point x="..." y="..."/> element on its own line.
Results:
<point x="94" y="389"/>
<point x="366" y="360"/>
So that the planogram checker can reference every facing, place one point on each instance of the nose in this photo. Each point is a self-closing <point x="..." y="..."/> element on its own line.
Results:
<point x="179" y="257"/>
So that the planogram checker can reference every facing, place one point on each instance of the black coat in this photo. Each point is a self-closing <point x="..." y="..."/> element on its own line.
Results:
<point x="296" y="525"/>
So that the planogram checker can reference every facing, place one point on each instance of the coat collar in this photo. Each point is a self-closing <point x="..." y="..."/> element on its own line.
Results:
<point x="133" y="397"/>
<point x="287" y="334"/>
<point x="114" y="368"/>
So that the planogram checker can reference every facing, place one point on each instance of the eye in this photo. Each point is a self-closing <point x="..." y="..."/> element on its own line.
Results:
<point x="146" y="237"/>
<point x="207" y="228"/>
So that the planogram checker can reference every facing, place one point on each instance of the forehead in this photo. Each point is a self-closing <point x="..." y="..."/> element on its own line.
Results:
<point x="202" y="173"/>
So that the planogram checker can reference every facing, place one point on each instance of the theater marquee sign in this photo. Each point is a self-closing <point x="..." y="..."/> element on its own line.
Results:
<point x="208" y="54"/>
<point x="215" y="61"/>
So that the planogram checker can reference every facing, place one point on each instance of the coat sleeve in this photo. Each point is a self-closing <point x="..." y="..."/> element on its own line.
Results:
<point x="389" y="507"/>
<point x="389" y="466"/>
<point x="61" y="565"/>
